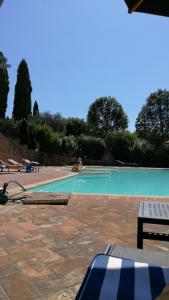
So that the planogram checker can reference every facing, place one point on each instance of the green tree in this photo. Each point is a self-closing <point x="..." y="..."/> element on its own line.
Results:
<point x="4" y="88"/>
<point x="35" y="109"/>
<point x="1" y="2"/>
<point x="23" y="132"/>
<point x="56" y="121"/>
<point x="32" y="143"/>
<point x="23" y="89"/>
<point x="153" y="120"/>
<point x="75" y="126"/>
<point x="106" y="114"/>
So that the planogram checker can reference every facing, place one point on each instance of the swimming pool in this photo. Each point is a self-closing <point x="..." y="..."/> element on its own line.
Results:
<point x="119" y="181"/>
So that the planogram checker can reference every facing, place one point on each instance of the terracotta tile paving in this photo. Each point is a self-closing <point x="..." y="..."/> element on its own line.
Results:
<point x="45" y="250"/>
<point x="24" y="178"/>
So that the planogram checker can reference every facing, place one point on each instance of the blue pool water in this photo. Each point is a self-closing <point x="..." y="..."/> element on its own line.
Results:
<point x="120" y="181"/>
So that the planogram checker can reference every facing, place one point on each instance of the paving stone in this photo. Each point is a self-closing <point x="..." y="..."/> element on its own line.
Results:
<point x="3" y="295"/>
<point x="34" y="269"/>
<point x="19" y="288"/>
<point x="8" y="270"/>
<point x="45" y="251"/>
<point x="25" y="247"/>
<point x="5" y="260"/>
<point x="2" y="252"/>
<point x="45" y="254"/>
<point x="67" y="294"/>
<point x="54" y="284"/>
<point x="7" y="241"/>
<point x="27" y="226"/>
<point x="73" y="250"/>
<point x="68" y="265"/>
<point x="16" y="232"/>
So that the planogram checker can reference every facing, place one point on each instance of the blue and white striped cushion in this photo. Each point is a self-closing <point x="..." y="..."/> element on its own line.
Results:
<point x="111" y="278"/>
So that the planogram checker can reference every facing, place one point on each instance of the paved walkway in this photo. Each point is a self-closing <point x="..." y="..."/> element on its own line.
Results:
<point x="45" y="250"/>
<point x="24" y="178"/>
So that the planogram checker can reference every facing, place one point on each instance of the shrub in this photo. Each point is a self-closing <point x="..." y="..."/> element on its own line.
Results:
<point x="56" y="144"/>
<point x="91" y="147"/>
<point x="69" y="146"/>
<point x="119" y="144"/>
<point x="56" y="121"/>
<point x="142" y="151"/>
<point x="48" y="140"/>
<point x="162" y="155"/>
<point x="9" y="127"/>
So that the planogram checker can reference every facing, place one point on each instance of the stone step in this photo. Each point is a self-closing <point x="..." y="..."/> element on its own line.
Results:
<point x="46" y="198"/>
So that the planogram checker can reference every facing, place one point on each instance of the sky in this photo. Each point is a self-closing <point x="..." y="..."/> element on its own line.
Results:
<point x="80" y="50"/>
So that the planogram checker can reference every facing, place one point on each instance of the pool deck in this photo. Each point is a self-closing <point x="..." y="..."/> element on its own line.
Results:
<point x="45" y="250"/>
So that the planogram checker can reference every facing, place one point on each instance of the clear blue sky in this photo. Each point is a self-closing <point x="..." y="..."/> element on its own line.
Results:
<point x="78" y="51"/>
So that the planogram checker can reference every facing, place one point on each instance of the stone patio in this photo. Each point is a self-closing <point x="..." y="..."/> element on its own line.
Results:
<point x="45" y="250"/>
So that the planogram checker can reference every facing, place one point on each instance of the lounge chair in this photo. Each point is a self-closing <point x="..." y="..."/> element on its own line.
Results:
<point x="10" y="166"/>
<point x="125" y="274"/>
<point x="2" y="166"/>
<point x="28" y="166"/>
<point x="14" y="162"/>
<point x="34" y="164"/>
<point x="121" y="163"/>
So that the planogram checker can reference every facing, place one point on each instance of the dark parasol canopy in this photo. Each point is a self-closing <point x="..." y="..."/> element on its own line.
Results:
<point x="156" y="7"/>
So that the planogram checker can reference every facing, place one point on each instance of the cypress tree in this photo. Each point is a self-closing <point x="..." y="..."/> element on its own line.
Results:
<point x="4" y="87"/>
<point x="35" y="109"/>
<point x="23" y="89"/>
<point x="32" y="143"/>
<point x="24" y="132"/>
<point x="1" y="2"/>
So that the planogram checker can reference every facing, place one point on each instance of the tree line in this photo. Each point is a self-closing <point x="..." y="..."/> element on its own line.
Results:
<point x="22" y="106"/>
<point x="105" y="128"/>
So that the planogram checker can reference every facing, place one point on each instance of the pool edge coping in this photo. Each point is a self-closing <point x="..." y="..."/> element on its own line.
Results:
<point x="38" y="184"/>
<point x="31" y="186"/>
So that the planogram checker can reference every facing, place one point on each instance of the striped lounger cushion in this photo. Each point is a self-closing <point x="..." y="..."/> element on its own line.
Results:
<point x="111" y="278"/>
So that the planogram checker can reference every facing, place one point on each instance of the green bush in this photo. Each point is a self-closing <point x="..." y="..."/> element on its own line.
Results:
<point x="153" y="137"/>
<point x="162" y="155"/>
<point x="56" y="121"/>
<point x="142" y="151"/>
<point x="56" y="144"/>
<point x="9" y="127"/>
<point x="48" y="140"/>
<point x="69" y="146"/>
<point x="119" y="144"/>
<point x="91" y="147"/>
